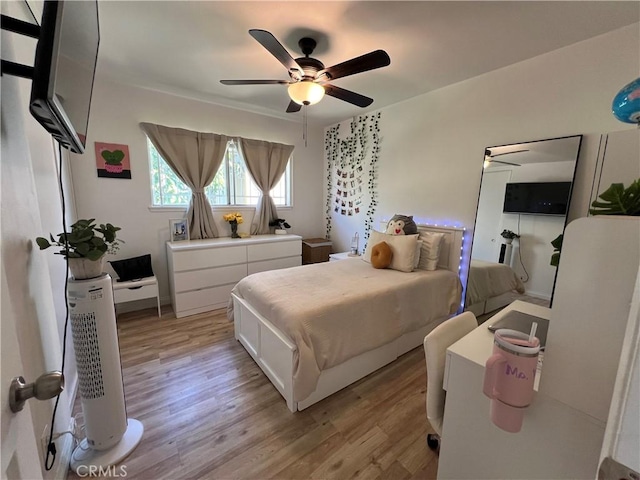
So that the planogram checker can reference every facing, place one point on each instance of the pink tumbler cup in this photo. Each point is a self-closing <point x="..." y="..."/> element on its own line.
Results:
<point x="509" y="377"/>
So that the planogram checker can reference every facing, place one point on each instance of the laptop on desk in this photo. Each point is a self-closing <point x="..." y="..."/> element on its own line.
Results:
<point x="522" y="322"/>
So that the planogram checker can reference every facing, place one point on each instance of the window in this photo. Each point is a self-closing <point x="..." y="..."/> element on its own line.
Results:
<point x="232" y="185"/>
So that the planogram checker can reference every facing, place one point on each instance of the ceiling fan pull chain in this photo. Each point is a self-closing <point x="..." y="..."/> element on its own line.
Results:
<point x="304" y="125"/>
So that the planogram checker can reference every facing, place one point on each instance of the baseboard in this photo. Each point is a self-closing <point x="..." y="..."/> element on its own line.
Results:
<point x="541" y="296"/>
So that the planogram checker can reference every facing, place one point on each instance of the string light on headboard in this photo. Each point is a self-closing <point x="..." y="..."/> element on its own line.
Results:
<point x="465" y="257"/>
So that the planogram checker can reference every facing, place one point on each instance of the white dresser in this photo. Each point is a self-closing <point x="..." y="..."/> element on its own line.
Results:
<point x="202" y="273"/>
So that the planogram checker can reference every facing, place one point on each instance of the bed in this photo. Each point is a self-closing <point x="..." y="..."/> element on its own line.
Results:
<point x="317" y="328"/>
<point x="490" y="286"/>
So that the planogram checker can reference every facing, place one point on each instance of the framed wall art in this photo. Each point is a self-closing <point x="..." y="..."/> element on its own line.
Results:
<point x="112" y="160"/>
<point x="178" y="229"/>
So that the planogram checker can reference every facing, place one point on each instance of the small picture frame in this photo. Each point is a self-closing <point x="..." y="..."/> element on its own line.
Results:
<point x="178" y="229"/>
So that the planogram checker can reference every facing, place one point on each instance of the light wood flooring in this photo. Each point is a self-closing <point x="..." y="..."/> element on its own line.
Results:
<point x="209" y="412"/>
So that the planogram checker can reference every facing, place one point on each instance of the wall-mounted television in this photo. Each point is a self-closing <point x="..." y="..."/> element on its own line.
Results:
<point x="64" y="70"/>
<point x="537" y="198"/>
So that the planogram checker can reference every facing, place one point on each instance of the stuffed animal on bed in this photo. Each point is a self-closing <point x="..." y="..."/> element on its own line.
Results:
<point x="401" y="225"/>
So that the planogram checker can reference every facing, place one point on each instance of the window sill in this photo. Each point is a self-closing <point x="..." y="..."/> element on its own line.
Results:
<point x="159" y="209"/>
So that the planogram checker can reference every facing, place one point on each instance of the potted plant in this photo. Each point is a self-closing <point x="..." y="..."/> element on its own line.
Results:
<point x="234" y="219"/>
<point x="84" y="246"/>
<point x="617" y="200"/>
<point x="556" y="243"/>
<point x="508" y="236"/>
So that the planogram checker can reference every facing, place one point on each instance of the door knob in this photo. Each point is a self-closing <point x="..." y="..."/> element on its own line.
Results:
<point x="47" y="386"/>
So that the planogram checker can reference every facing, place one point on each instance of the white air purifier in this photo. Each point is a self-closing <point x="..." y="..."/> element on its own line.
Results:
<point x="110" y="436"/>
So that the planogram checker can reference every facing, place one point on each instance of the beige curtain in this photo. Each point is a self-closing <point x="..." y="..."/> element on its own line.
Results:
<point x="195" y="158"/>
<point x="266" y="163"/>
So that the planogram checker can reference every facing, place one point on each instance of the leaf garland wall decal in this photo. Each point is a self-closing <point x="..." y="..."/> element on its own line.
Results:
<point x="352" y="171"/>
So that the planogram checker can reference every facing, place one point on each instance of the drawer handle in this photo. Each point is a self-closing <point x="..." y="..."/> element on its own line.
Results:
<point x="135" y="288"/>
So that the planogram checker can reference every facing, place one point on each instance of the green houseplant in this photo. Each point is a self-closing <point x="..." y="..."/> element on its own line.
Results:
<point x="84" y="246"/>
<point x="509" y="235"/>
<point x="615" y="200"/>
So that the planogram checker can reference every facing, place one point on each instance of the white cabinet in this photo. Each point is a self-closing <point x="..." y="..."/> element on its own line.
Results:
<point x="202" y="273"/>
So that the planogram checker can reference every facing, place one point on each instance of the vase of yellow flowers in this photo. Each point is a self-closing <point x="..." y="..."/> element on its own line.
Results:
<point x="234" y="219"/>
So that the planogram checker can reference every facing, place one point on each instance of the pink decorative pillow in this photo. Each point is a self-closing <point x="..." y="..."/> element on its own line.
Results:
<point x="381" y="255"/>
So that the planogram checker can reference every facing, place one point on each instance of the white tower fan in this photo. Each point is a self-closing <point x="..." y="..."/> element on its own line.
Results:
<point x="110" y="436"/>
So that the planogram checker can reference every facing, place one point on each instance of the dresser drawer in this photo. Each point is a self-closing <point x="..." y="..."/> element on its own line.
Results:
<point x="210" y="277"/>
<point x="211" y="257"/>
<point x="202" y="298"/>
<point x="276" y="264"/>
<point x="265" y="251"/>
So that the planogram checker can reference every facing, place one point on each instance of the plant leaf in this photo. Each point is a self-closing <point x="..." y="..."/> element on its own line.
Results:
<point x="43" y="243"/>
<point x="616" y="200"/>
<point x="94" y="254"/>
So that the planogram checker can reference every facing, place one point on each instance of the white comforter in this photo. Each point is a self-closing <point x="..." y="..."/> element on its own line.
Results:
<point x="334" y="311"/>
<point x="487" y="279"/>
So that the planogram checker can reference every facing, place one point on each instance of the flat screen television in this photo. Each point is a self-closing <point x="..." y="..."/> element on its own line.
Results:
<point x="537" y="198"/>
<point x="64" y="70"/>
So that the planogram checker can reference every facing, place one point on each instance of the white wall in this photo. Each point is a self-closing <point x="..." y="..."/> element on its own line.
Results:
<point x="433" y="145"/>
<point x="116" y="112"/>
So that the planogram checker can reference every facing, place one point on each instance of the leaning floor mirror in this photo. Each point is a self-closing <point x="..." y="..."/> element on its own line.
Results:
<point x="524" y="198"/>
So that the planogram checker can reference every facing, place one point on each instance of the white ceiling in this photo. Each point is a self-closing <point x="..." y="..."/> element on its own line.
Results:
<point x="187" y="47"/>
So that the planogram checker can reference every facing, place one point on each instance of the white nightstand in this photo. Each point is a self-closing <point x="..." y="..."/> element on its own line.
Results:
<point x="136" y="290"/>
<point x="334" y="257"/>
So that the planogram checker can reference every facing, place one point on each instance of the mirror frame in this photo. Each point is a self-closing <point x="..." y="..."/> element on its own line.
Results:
<point x="566" y="216"/>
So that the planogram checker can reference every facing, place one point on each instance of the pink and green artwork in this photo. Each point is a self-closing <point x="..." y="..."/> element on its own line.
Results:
<point x="112" y="160"/>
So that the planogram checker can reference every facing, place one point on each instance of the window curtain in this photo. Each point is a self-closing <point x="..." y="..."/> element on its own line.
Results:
<point x="195" y="158"/>
<point x="266" y="163"/>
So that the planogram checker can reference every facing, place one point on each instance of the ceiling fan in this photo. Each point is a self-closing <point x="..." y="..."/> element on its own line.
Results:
<point x="309" y="77"/>
<point x="489" y="157"/>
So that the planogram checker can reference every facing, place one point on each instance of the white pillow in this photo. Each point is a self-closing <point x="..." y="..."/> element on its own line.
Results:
<point x="402" y="246"/>
<point x="430" y="251"/>
<point x="416" y="257"/>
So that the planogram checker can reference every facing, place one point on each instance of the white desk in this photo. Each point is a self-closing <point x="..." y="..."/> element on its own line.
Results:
<point x="556" y="441"/>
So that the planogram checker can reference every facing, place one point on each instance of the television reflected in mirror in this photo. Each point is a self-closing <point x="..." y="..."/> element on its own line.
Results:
<point x="525" y="194"/>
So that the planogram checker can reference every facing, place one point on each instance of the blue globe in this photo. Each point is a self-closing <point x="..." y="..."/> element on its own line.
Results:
<point x="626" y="104"/>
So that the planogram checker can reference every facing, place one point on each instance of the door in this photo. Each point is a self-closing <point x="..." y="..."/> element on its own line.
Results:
<point x="486" y="244"/>
<point x="19" y="450"/>
<point x="622" y="434"/>
<point x="23" y="285"/>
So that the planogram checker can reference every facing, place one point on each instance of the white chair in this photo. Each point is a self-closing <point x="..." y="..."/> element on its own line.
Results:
<point x="435" y="352"/>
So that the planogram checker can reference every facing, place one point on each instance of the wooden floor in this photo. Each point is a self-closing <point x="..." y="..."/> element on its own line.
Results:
<point x="209" y="412"/>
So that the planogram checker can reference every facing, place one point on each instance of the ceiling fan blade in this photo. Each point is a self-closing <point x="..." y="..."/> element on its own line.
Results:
<point x="489" y="154"/>
<point x="505" y="163"/>
<point x="268" y="41"/>
<point x="348" y="96"/>
<point x="369" y="61"/>
<point x="293" y="107"/>
<point x="254" y="82"/>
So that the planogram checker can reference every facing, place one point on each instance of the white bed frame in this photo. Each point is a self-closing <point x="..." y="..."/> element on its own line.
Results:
<point x="490" y="304"/>
<point x="274" y="352"/>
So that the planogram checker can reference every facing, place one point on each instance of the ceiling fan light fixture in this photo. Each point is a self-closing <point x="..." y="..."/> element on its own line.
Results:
<point x="306" y="92"/>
